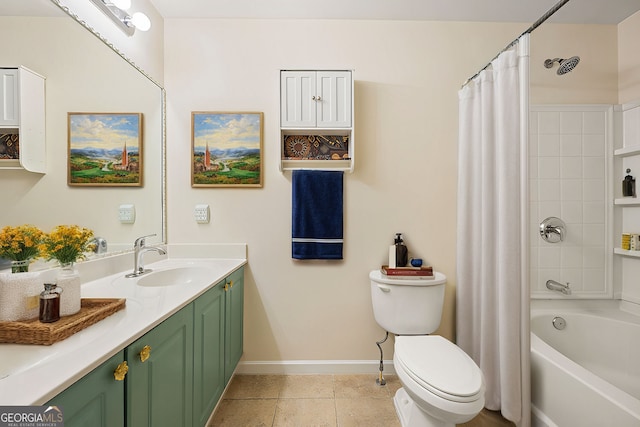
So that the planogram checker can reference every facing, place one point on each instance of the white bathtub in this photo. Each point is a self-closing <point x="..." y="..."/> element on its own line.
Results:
<point x="588" y="374"/>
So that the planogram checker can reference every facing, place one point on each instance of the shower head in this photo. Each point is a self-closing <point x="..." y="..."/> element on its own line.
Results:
<point x="565" y="65"/>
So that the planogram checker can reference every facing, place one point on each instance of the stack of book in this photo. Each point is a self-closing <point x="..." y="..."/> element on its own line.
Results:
<point x="408" y="272"/>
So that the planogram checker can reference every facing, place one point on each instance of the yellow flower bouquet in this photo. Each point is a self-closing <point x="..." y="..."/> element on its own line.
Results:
<point x="21" y="245"/>
<point x="67" y="243"/>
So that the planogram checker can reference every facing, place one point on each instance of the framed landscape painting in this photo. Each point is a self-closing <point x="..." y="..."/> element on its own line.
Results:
<point x="105" y="149"/>
<point x="226" y="149"/>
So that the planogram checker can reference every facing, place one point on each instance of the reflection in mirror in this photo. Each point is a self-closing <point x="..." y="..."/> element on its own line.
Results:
<point x="83" y="74"/>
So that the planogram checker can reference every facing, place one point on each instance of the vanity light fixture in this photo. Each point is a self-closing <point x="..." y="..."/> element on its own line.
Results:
<point x="116" y="10"/>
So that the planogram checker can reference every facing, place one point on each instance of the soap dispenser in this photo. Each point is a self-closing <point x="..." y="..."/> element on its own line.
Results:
<point x="401" y="251"/>
<point x="629" y="185"/>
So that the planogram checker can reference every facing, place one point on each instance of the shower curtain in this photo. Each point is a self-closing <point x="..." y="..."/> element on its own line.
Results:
<point x="492" y="315"/>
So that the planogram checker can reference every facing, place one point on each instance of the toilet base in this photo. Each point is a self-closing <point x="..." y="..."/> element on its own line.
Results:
<point x="411" y="415"/>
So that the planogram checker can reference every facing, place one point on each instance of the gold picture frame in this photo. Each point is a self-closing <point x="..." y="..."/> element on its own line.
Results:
<point x="226" y="149"/>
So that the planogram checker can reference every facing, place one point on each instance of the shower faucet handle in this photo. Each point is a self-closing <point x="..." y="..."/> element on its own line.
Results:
<point x="552" y="230"/>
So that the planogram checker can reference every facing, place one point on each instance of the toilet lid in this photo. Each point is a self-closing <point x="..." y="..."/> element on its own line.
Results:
<point x="439" y="366"/>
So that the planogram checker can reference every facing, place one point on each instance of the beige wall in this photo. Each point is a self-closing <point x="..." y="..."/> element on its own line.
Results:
<point x="406" y="78"/>
<point x="593" y="81"/>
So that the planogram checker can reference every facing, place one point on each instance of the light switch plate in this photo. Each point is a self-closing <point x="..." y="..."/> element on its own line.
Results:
<point x="202" y="214"/>
<point x="127" y="214"/>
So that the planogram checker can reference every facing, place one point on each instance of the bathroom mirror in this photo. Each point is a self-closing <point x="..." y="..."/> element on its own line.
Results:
<point x="83" y="74"/>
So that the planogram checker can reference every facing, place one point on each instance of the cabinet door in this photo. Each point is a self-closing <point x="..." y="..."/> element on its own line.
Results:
<point x="9" y="107"/>
<point x="32" y="121"/>
<point x="333" y="107"/>
<point x="160" y="389"/>
<point x="97" y="399"/>
<point x="233" y="322"/>
<point x="208" y="370"/>
<point x="298" y="99"/>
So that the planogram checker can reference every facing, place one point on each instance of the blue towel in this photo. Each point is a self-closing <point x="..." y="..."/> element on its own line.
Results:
<point x="316" y="214"/>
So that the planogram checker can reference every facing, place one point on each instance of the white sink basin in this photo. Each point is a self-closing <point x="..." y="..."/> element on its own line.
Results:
<point x="176" y="276"/>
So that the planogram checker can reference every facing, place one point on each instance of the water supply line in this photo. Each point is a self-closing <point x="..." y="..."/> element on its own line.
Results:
<point x="381" y="381"/>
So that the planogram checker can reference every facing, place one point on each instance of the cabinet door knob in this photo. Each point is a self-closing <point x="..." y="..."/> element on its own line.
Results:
<point x="316" y="98"/>
<point x="121" y="371"/>
<point x="145" y="353"/>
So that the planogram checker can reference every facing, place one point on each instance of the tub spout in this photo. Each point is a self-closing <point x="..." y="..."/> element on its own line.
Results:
<point x="552" y="285"/>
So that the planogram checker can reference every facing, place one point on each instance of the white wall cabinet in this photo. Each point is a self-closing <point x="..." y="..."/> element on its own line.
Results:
<point x="22" y="114"/>
<point x="316" y="99"/>
<point x="9" y="113"/>
<point x="316" y="119"/>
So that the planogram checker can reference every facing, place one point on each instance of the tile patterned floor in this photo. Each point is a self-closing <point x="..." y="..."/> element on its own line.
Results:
<point x="316" y="400"/>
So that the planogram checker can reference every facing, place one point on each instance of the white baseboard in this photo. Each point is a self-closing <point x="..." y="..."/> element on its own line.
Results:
<point x="539" y="419"/>
<point x="302" y="367"/>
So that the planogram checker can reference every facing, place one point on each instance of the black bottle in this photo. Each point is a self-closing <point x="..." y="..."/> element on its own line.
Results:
<point x="50" y="303"/>
<point x="401" y="251"/>
<point x="629" y="185"/>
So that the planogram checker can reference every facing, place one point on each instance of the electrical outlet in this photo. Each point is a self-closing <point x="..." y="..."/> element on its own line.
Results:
<point x="127" y="214"/>
<point x="201" y="214"/>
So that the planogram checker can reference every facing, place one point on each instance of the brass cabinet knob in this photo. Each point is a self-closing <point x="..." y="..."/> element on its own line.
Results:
<point x="121" y="371"/>
<point x="145" y="353"/>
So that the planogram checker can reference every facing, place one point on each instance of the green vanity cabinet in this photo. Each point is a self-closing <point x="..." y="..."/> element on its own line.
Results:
<point x="177" y="371"/>
<point x="234" y="285"/>
<point x="160" y="379"/>
<point x="217" y="342"/>
<point x="97" y="399"/>
<point x="208" y="369"/>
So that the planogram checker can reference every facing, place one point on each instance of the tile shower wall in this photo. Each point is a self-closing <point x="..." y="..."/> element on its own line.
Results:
<point x="568" y="179"/>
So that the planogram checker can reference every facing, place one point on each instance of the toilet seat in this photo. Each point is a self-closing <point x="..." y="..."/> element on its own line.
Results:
<point x="440" y="367"/>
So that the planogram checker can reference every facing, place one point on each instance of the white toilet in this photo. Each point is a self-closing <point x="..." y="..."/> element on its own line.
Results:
<point x="442" y="385"/>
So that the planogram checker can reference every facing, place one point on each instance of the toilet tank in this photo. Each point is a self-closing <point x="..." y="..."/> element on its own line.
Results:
<point x="407" y="306"/>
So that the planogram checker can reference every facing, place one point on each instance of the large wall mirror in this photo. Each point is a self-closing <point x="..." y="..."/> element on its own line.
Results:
<point x="85" y="75"/>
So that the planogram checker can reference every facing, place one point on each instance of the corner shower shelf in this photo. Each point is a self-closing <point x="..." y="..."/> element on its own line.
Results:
<point x="620" y="251"/>
<point x="627" y="151"/>
<point x="627" y="201"/>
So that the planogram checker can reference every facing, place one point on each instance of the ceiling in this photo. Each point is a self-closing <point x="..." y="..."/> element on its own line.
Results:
<point x="576" y="11"/>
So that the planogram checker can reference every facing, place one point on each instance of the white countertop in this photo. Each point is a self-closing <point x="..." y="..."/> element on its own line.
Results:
<point x="33" y="374"/>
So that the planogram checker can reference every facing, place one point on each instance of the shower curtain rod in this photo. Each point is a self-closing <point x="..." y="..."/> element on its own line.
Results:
<point x="533" y="26"/>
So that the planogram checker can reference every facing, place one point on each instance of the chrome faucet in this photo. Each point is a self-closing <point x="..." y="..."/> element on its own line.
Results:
<point x="139" y="248"/>
<point x="552" y="285"/>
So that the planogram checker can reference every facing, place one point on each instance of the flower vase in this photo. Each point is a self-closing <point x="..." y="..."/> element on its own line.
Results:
<point x="69" y="281"/>
<point x="21" y="266"/>
<point x="19" y="296"/>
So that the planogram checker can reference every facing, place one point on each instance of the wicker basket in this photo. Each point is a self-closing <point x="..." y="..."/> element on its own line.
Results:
<point x="34" y="332"/>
